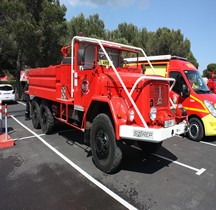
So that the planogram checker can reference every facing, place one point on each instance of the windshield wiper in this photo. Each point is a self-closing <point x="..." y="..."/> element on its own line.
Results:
<point x="202" y="91"/>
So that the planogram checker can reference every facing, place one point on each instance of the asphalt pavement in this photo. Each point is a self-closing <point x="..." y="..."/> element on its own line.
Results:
<point x="56" y="172"/>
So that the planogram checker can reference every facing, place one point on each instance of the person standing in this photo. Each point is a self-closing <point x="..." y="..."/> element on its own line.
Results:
<point x="27" y="100"/>
<point x="210" y="84"/>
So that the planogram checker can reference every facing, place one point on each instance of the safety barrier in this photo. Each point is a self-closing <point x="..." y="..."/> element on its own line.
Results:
<point x="5" y="140"/>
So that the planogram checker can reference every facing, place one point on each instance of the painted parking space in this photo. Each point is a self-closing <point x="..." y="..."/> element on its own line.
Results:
<point x="80" y="170"/>
<point x="165" y="181"/>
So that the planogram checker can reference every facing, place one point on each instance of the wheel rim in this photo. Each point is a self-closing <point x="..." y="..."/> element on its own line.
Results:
<point x="194" y="130"/>
<point x="102" y="144"/>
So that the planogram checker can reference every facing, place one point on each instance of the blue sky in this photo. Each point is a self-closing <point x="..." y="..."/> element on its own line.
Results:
<point x="195" y="18"/>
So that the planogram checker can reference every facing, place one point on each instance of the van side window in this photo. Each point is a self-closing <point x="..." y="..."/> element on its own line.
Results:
<point x="179" y="81"/>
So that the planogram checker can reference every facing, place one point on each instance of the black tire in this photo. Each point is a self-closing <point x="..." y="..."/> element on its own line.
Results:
<point x="35" y="114"/>
<point x="149" y="147"/>
<point x="196" y="130"/>
<point x="106" y="151"/>
<point x="46" y="118"/>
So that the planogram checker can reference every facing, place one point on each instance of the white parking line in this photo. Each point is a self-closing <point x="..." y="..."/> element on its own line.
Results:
<point x="21" y="103"/>
<point x="198" y="171"/>
<point x="90" y="178"/>
<point x="203" y="142"/>
<point x="27" y="137"/>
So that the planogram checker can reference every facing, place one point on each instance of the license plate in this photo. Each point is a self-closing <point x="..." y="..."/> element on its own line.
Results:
<point x="142" y="134"/>
<point x="169" y="123"/>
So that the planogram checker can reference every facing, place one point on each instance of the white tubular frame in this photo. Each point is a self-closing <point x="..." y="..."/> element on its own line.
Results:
<point x="101" y="43"/>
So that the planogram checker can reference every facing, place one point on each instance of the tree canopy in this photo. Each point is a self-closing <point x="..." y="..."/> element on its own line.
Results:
<point x="163" y="41"/>
<point x="38" y="29"/>
<point x="34" y="27"/>
<point x="210" y="68"/>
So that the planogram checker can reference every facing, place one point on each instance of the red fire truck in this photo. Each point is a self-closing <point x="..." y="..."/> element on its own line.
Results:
<point x="94" y="91"/>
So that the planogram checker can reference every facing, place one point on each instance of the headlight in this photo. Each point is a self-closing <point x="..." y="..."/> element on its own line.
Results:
<point x="210" y="107"/>
<point x="131" y="115"/>
<point x="153" y="113"/>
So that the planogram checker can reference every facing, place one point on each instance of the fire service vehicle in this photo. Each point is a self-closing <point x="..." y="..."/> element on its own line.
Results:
<point x="95" y="92"/>
<point x="190" y="90"/>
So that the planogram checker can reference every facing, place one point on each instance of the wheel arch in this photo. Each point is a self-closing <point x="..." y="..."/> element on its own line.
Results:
<point x="112" y="108"/>
<point x="200" y="120"/>
<point x="37" y="99"/>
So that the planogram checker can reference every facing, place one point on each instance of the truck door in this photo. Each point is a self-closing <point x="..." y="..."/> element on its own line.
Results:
<point x="85" y="76"/>
<point x="180" y="92"/>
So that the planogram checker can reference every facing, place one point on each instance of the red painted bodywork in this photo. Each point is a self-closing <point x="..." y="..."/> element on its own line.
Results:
<point x="99" y="84"/>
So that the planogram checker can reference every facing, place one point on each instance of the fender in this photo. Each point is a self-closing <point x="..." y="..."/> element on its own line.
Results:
<point x="116" y="106"/>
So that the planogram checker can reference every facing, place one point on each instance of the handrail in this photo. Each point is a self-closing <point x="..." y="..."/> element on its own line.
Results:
<point x="154" y="78"/>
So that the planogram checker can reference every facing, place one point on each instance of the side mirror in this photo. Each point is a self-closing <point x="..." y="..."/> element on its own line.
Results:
<point x="185" y="91"/>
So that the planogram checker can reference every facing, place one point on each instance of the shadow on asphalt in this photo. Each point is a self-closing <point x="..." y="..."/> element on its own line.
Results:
<point x="210" y="139"/>
<point x="133" y="158"/>
<point x="137" y="161"/>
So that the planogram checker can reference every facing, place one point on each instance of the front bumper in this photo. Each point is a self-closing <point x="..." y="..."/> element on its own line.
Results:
<point x="5" y="98"/>
<point x="154" y="135"/>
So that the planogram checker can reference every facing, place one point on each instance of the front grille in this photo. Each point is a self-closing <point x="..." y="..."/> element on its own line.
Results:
<point x="159" y="95"/>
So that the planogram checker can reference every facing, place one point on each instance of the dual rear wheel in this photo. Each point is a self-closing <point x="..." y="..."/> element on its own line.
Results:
<point x="42" y="116"/>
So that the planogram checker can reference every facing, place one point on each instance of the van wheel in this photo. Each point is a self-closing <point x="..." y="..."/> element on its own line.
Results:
<point x="196" y="130"/>
<point x="149" y="147"/>
<point x="35" y="114"/>
<point x="46" y="118"/>
<point x="106" y="151"/>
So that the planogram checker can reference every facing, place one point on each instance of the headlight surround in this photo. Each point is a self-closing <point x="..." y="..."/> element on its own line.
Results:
<point x="210" y="107"/>
<point x="153" y="113"/>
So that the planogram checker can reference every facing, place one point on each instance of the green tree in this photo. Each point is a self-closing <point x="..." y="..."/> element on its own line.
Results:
<point x="35" y="27"/>
<point x="8" y="43"/>
<point x="75" y="26"/>
<point x="166" y="41"/>
<point x="53" y="27"/>
<point x="92" y="26"/>
<point x="95" y="26"/>
<point x="210" y="68"/>
<point x="126" y="34"/>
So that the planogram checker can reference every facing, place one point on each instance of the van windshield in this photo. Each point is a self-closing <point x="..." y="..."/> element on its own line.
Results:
<point x="196" y="82"/>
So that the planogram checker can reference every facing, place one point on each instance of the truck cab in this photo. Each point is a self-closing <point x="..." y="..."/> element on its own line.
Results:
<point x="190" y="90"/>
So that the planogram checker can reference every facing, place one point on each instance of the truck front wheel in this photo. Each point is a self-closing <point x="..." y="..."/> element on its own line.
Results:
<point x="46" y="118"/>
<point x="106" y="151"/>
<point x="196" y="130"/>
<point x="35" y="114"/>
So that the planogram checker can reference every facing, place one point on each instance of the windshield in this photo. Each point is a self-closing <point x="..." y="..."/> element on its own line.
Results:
<point x="196" y="82"/>
<point x="117" y="57"/>
<point x="6" y="88"/>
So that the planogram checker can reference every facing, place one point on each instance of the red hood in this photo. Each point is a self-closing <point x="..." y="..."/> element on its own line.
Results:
<point x="210" y="97"/>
